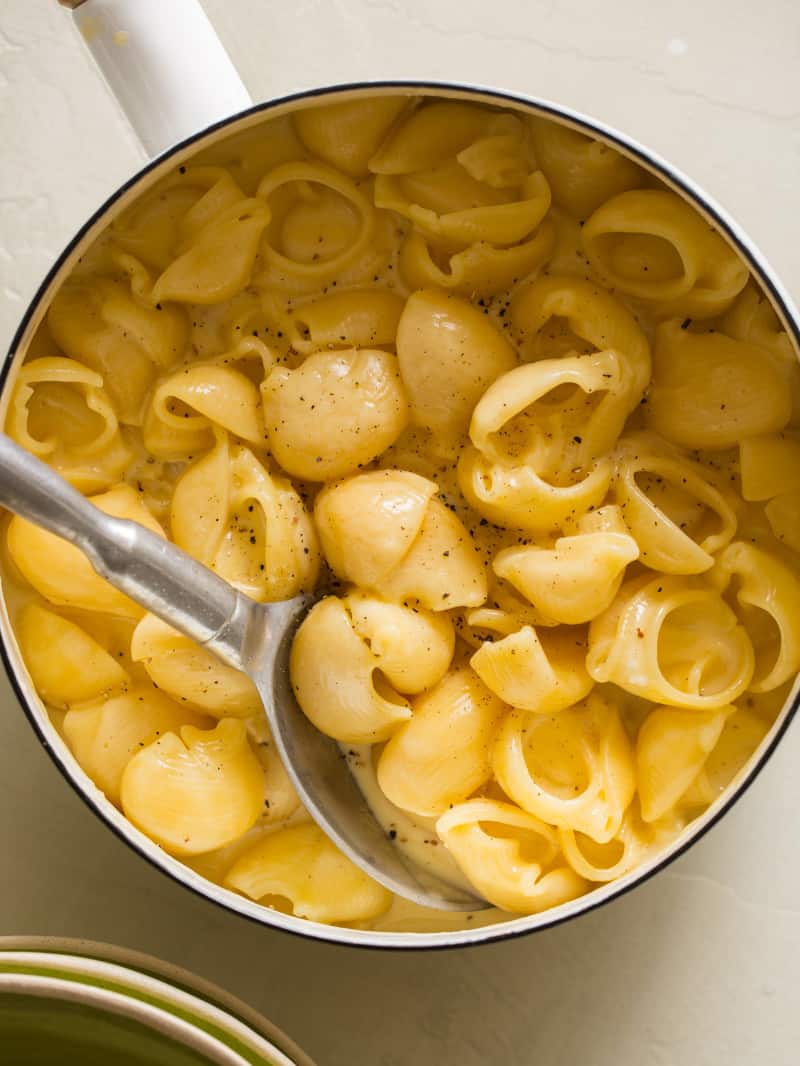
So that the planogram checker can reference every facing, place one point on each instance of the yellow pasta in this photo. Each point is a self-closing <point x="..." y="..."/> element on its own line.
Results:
<point x="479" y="269"/>
<point x="196" y="791"/>
<point x="368" y="523"/>
<point x="672" y="640"/>
<point x="582" y="172"/>
<point x="246" y="156"/>
<point x="556" y="315"/>
<point x="67" y="664"/>
<point x="220" y="258"/>
<point x="153" y="227"/>
<point x="121" y="335"/>
<point x="337" y="680"/>
<point x="465" y="180"/>
<point x="783" y="514"/>
<point x="504" y="613"/>
<point x="187" y="406"/>
<point x="360" y="318"/>
<point x="281" y="801"/>
<point x="742" y="733"/>
<point x="515" y="496"/>
<point x="192" y="674"/>
<point x="335" y="413"/>
<point x="321" y="223"/>
<point x="247" y="524"/>
<point x="574" y="581"/>
<point x="573" y="770"/>
<point x="567" y="258"/>
<point x="540" y="434"/>
<point x="348" y="134"/>
<point x="414" y="647"/>
<point x="510" y="856"/>
<point x="634" y="842"/>
<point x="441" y="570"/>
<point x="676" y="515"/>
<point x="650" y="244"/>
<point x="519" y="418"/>
<point x="61" y="572"/>
<point x="671" y="749"/>
<point x="408" y="545"/>
<point x="770" y="466"/>
<point x="542" y="672"/>
<point x="752" y="319"/>
<point x="104" y="738"/>
<point x="710" y="391"/>
<point x="300" y="865"/>
<point x="352" y="657"/>
<point x="438" y="132"/>
<point x="60" y="393"/>
<point x="768" y="595"/>
<point x="441" y="755"/>
<point x="448" y="353"/>
<point x="496" y="220"/>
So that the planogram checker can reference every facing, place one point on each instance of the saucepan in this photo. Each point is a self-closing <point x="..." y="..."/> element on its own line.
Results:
<point x="182" y="96"/>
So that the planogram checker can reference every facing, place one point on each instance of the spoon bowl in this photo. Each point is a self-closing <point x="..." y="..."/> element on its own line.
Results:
<point x="317" y="767"/>
<point x="249" y="636"/>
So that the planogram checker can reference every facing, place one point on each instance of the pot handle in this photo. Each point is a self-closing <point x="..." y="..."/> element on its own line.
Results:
<point x="164" y="63"/>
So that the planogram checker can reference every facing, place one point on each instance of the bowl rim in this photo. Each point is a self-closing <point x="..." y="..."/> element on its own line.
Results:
<point x="9" y="651"/>
<point x="147" y="977"/>
<point x="154" y="1018"/>
<point x="246" y="1045"/>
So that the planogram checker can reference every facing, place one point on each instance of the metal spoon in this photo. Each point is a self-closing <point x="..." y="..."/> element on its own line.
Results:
<point x="253" y="637"/>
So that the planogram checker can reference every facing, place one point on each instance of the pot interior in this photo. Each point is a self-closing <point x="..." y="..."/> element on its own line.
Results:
<point x="220" y="147"/>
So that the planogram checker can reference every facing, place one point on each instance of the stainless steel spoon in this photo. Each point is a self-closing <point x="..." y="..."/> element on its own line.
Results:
<point x="253" y="637"/>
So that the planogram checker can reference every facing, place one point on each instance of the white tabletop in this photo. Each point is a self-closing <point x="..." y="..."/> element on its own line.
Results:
<point x="700" y="966"/>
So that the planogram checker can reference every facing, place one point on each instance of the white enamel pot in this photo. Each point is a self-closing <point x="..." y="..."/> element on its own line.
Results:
<point x="181" y="94"/>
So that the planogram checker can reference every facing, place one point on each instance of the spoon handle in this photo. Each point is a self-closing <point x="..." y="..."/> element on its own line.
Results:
<point x="146" y="567"/>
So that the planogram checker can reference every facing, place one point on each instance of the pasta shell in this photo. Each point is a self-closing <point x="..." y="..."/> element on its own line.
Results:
<point x="194" y="792"/>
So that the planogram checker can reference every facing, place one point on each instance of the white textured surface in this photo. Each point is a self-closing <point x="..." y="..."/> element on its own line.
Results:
<point x="699" y="967"/>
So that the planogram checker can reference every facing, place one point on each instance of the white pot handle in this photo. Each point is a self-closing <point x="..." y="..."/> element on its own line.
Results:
<point x="164" y="63"/>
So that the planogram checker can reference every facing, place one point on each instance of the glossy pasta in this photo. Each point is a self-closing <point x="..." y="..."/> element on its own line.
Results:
<point x="519" y="415"/>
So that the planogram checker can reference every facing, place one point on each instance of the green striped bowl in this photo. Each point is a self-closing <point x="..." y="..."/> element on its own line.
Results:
<point x="84" y="1004"/>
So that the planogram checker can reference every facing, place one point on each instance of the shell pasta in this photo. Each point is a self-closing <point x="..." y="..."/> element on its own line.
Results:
<point x="519" y="416"/>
